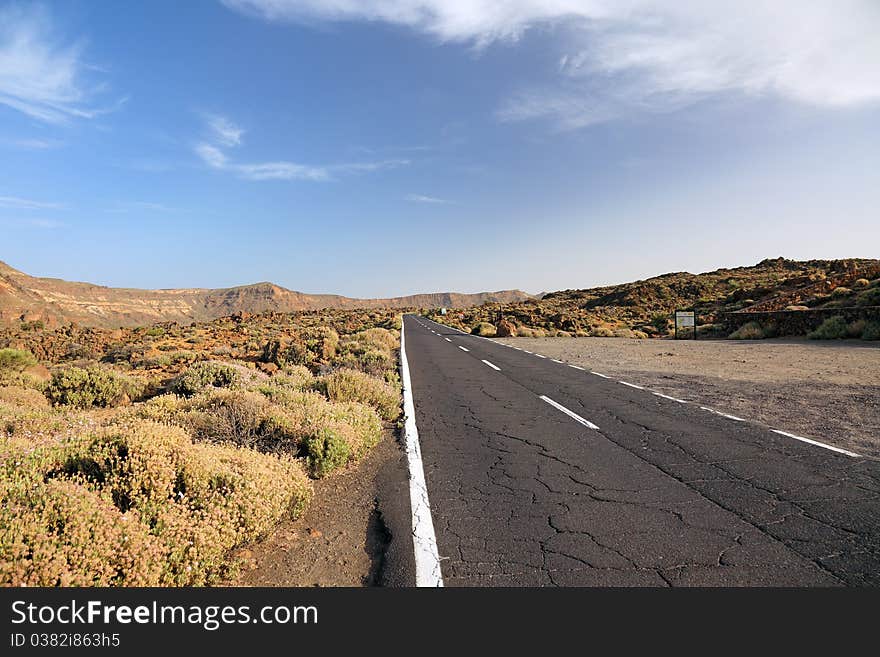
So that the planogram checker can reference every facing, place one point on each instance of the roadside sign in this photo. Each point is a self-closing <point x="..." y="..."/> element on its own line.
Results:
<point x="686" y="319"/>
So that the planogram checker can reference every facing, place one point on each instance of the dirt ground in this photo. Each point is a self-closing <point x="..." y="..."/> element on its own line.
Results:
<point x="828" y="391"/>
<point x="340" y="541"/>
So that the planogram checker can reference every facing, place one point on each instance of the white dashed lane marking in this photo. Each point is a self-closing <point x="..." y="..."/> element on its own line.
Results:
<point x="569" y="413"/>
<point x="463" y="348"/>
<point x="675" y="399"/>
<point x="494" y="367"/>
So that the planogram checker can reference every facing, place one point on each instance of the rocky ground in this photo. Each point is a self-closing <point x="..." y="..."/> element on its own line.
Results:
<point x="827" y="390"/>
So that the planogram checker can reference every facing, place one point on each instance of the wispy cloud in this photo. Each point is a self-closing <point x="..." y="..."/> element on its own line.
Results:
<point x="32" y="222"/>
<point x="124" y="207"/>
<point x="34" y="144"/>
<point x="634" y="56"/>
<point x="42" y="75"/>
<point x="27" y="204"/>
<point x="223" y="133"/>
<point x="420" y="198"/>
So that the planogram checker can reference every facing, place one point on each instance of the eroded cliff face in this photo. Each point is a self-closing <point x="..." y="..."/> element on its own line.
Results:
<point x="54" y="302"/>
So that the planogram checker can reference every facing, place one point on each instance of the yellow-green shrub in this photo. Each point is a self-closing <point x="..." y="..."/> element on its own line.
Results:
<point x="352" y="385"/>
<point x="136" y="503"/>
<point x="484" y="329"/>
<point x="748" y="331"/>
<point x="94" y="386"/>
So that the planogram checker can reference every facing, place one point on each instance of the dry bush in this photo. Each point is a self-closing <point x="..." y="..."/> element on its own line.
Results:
<point x="351" y="385"/>
<point x="872" y="331"/>
<point x="92" y="386"/>
<point x="833" y="328"/>
<point x="16" y="360"/>
<point x="484" y="329"/>
<point x="136" y="504"/>
<point x="749" y="331"/>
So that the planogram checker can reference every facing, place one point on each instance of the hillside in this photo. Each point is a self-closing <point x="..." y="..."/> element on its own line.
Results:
<point x="55" y="302"/>
<point x="771" y="285"/>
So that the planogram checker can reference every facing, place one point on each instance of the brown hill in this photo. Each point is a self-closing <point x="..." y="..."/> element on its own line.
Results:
<point x="773" y="284"/>
<point x="53" y="301"/>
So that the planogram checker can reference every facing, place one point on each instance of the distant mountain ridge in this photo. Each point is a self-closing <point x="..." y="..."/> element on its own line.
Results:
<point x="56" y="302"/>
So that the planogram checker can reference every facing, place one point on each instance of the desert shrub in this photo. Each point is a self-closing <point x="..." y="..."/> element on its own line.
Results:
<point x="155" y="332"/>
<point x="856" y="328"/>
<point x="833" y="328"/>
<point x="197" y="501"/>
<point x="484" y="329"/>
<point x="378" y="338"/>
<point x="748" y="331"/>
<point x="869" y="297"/>
<point x="326" y="451"/>
<point x="351" y="385"/>
<point x="242" y="418"/>
<point x="93" y="386"/>
<point x="322" y="342"/>
<point x="358" y="424"/>
<point x="203" y="376"/>
<point x="16" y="360"/>
<point x="796" y="307"/>
<point x="840" y="292"/>
<point x="601" y="332"/>
<point x="293" y="376"/>
<point x="871" y="331"/>
<point x="660" y="322"/>
<point x="59" y="533"/>
<point x="34" y="325"/>
<point x="861" y="282"/>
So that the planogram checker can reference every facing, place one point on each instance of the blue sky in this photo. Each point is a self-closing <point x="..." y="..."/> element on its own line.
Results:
<point x="384" y="147"/>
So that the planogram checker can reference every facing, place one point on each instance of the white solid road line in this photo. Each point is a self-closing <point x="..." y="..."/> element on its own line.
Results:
<point x="540" y="356"/>
<point x="575" y="367"/>
<point x="675" y="399"/>
<point x="463" y="348"/>
<point x="557" y="361"/>
<point x="631" y="385"/>
<point x="569" y="413"/>
<point x="494" y="367"/>
<point x="817" y="443"/>
<point x="427" y="557"/>
<point x="598" y="374"/>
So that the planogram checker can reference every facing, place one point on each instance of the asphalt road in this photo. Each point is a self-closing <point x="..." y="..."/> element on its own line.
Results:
<point x="539" y="473"/>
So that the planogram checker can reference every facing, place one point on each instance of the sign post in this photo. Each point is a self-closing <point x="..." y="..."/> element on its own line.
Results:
<point x="685" y="319"/>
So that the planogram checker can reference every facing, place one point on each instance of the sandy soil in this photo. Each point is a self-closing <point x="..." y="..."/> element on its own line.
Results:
<point x="829" y="391"/>
<point x="340" y="541"/>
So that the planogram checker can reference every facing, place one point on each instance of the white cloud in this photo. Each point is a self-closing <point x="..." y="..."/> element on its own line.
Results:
<point x="27" y="204"/>
<point x="211" y="155"/>
<point x="420" y="198"/>
<point x="32" y="222"/>
<point x="35" y="144"/>
<point x="618" y="57"/>
<point x="225" y="133"/>
<point x="281" y="171"/>
<point x="41" y="75"/>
